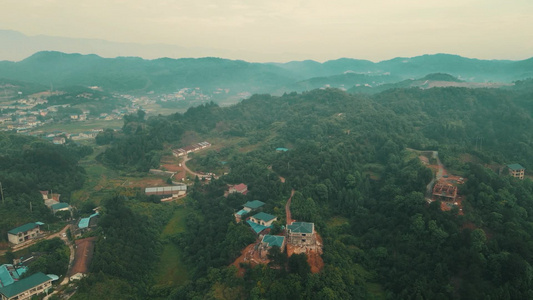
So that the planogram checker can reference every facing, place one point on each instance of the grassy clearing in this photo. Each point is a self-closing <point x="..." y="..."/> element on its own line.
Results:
<point x="337" y="221"/>
<point x="171" y="270"/>
<point x="77" y="127"/>
<point x="176" y="224"/>
<point x="374" y="289"/>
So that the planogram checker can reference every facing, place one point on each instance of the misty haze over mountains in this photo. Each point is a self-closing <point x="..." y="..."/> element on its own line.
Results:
<point x="135" y="74"/>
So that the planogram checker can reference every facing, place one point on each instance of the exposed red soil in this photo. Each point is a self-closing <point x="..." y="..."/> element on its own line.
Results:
<point x="249" y="255"/>
<point x="288" y="209"/>
<point x="314" y="259"/>
<point x="83" y="256"/>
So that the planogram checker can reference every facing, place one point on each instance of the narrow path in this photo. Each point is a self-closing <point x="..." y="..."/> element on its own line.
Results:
<point x="288" y="209"/>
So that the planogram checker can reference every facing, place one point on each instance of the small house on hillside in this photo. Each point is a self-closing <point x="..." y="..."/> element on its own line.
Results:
<point x="86" y="224"/>
<point x="517" y="171"/>
<point x="270" y="241"/>
<point x="24" y="233"/>
<point x="238" y="188"/>
<point x="248" y="207"/>
<point x="60" y="207"/>
<point x="261" y="221"/>
<point x="59" y="140"/>
<point x="301" y="233"/>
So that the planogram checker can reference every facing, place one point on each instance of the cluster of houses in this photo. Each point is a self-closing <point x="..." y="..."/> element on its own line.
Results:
<point x="297" y="234"/>
<point x="191" y="148"/>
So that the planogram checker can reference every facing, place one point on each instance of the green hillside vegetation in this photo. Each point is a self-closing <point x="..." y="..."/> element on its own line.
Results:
<point x="29" y="165"/>
<point x="355" y="180"/>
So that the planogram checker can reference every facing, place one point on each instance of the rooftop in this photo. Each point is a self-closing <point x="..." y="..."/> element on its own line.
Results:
<point x="84" y="222"/>
<point x="24" y="284"/>
<point x="254" y="204"/>
<point x="23" y="228"/>
<point x="301" y="227"/>
<point x="165" y="189"/>
<point x="9" y="274"/>
<point x="515" y="167"/>
<point x="59" y="206"/>
<point x="256" y="227"/>
<point x="263" y="216"/>
<point x="240" y="187"/>
<point x="241" y="212"/>
<point x="273" y="240"/>
<point x="282" y="149"/>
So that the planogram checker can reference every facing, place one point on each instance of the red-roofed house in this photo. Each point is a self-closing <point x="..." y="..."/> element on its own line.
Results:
<point x="238" y="188"/>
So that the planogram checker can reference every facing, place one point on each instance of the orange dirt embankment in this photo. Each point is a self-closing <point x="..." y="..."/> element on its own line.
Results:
<point x="314" y="259"/>
<point x="249" y="255"/>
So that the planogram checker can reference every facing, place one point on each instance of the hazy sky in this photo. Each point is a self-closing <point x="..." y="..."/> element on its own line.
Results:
<point x="279" y="30"/>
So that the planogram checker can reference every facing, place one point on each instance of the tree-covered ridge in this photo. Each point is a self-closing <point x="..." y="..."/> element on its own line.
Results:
<point x="29" y="165"/>
<point x="133" y="74"/>
<point x="363" y="190"/>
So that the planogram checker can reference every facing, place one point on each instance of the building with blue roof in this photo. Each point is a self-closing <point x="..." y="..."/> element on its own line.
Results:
<point x="248" y="207"/>
<point x="26" y="288"/>
<point x="60" y="207"/>
<point x="253" y="205"/>
<point x="24" y="233"/>
<point x="301" y="234"/>
<point x="264" y="219"/>
<point x="281" y="149"/>
<point x="257" y="228"/>
<point x="270" y="241"/>
<point x="88" y="222"/>
<point x="517" y="171"/>
<point x="9" y="274"/>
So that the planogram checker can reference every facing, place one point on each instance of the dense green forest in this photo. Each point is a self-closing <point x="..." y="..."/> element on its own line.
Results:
<point x="29" y="165"/>
<point x="356" y="181"/>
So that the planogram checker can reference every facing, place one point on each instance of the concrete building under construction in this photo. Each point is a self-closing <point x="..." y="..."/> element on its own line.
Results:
<point x="444" y="191"/>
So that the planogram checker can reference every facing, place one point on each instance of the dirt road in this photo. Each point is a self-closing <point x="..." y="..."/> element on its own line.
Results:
<point x="288" y="209"/>
<point x="185" y="160"/>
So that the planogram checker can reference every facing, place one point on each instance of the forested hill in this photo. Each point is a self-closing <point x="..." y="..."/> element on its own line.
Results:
<point x="130" y="74"/>
<point x="438" y="118"/>
<point x="354" y="178"/>
<point x="29" y="165"/>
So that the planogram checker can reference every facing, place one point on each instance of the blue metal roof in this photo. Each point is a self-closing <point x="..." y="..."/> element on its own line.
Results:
<point x="264" y="216"/>
<point x="23" y="228"/>
<point x="282" y="149"/>
<point x="255" y="204"/>
<point x="8" y="274"/>
<point x="273" y="240"/>
<point x="241" y="212"/>
<point x="84" y="222"/>
<point x="58" y="206"/>
<point x="257" y="227"/>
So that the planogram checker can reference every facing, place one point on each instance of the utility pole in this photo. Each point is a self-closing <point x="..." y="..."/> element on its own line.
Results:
<point x="2" y="193"/>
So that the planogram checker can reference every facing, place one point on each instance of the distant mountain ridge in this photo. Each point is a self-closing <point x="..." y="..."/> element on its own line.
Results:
<point x="127" y="74"/>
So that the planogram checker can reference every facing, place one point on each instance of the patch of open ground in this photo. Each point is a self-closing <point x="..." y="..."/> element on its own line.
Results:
<point x="314" y="259"/>
<point x="83" y="256"/>
<point x="170" y="268"/>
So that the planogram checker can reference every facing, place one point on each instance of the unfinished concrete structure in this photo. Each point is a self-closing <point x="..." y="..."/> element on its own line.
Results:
<point x="444" y="191"/>
<point x="301" y="234"/>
